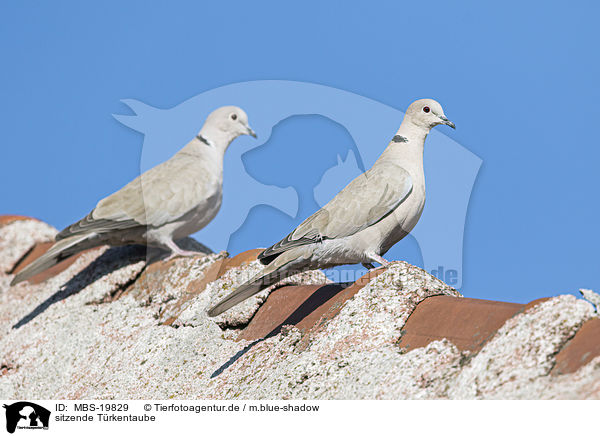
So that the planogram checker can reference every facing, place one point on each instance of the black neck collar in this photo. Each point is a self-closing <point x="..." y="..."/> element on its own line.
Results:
<point x="201" y="138"/>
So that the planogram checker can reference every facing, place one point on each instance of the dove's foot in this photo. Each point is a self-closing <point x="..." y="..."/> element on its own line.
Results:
<point x="368" y="265"/>
<point x="182" y="253"/>
<point x="178" y="252"/>
<point x="377" y="258"/>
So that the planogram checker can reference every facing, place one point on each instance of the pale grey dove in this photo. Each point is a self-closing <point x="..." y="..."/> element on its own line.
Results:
<point x="166" y="203"/>
<point x="363" y="221"/>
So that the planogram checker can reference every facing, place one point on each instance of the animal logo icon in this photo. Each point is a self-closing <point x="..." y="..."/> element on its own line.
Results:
<point x="26" y="415"/>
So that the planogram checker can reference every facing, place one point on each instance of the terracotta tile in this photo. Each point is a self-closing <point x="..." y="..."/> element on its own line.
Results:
<point x="215" y="271"/>
<point x="535" y="303"/>
<point x="7" y="219"/>
<point x="244" y="257"/>
<point x="194" y="288"/>
<point x="301" y="306"/>
<point x="467" y="322"/>
<point x="579" y="350"/>
<point x="306" y="307"/>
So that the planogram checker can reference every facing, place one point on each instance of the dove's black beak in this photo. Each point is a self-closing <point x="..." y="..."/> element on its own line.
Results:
<point x="447" y="122"/>
<point x="251" y="132"/>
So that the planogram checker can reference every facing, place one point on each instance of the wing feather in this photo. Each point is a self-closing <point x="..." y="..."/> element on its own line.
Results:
<point x="364" y="202"/>
<point x="161" y="195"/>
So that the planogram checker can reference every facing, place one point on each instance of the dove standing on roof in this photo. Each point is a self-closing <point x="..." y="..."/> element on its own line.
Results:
<point x="166" y="203"/>
<point x="363" y="221"/>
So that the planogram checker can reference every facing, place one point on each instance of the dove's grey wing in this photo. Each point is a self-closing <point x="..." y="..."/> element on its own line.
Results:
<point x="159" y="196"/>
<point x="365" y="201"/>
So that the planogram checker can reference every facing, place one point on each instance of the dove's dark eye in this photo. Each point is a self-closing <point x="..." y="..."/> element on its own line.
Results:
<point x="234" y="117"/>
<point x="426" y="109"/>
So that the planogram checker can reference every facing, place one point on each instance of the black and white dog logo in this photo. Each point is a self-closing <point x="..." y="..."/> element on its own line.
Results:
<point x="26" y="415"/>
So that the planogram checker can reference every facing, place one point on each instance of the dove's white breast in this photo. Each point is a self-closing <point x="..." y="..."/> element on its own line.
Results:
<point x="203" y="197"/>
<point x="380" y="237"/>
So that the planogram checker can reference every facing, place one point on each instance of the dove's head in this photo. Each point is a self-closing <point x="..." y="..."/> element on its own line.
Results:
<point x="225" y="124"/>
<point x="427" y="113"/>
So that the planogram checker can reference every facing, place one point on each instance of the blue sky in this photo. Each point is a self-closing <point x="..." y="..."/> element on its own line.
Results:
<point x="520" y="81"/>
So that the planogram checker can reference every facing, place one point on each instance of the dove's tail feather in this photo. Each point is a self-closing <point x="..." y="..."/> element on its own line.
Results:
<point x="58" y="252"/>
<point x="247" y="290"/>
<point x="285" y="264"/>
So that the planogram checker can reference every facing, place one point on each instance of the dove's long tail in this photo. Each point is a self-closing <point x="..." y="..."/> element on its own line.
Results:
<point x="247" y="290"/>
<point x="59" y="251"/>
<point x="286" y="264"/>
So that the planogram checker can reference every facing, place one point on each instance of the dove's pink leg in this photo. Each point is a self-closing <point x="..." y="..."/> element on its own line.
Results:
<point x="177" y="252"/>
<point x="377" y="258"/>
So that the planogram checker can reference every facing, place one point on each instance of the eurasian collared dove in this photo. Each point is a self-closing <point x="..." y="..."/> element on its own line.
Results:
<point x="168" y="202"/>
<point x="363" y="221"/>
